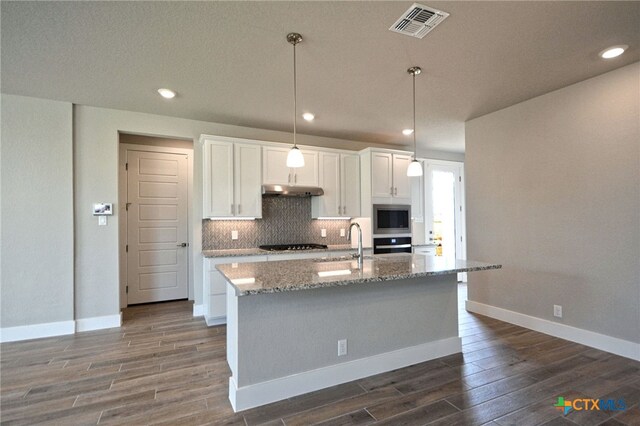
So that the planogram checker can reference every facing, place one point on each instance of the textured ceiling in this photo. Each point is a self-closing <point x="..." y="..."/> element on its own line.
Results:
<point x="230" y="62"/>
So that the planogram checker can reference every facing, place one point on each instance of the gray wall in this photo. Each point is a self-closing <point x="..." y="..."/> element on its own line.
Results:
<point x="375" y="318"/>
<point x="96" y="178"/>
<point x="59" y="262"/>
<point x="553" y="195"/>
<point x="37" y="211"/>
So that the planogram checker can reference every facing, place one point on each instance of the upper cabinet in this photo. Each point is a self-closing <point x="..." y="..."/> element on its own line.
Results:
<point x="389" y="175"/>
<point x="232" y="179"/>
<point x="339" y="177"/>
<point x="275" y="170"/>
<point x="384" y="177"/>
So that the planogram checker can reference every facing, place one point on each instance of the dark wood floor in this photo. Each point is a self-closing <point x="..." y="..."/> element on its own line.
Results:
<point x="165" y="367"/>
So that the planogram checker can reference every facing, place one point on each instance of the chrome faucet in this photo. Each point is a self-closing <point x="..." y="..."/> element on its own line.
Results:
<point x="360" y="255"/>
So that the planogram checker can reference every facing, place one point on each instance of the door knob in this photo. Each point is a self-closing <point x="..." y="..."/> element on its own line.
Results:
<point x="181" y="245"/>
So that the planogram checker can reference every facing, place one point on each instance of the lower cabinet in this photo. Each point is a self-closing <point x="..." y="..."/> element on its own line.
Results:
<point x="428" y="250"/>
<point x="215" y="286"/>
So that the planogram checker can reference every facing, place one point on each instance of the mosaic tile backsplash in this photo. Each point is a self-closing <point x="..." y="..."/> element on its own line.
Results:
<point x="284" y="221"/>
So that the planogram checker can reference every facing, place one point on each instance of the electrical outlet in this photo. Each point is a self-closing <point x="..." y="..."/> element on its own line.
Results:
<point x="343" y="233"/>
<point x="323" y="233"/>
<point x="234" y="235"/>
<point x="557" y="311"/>
<point x="342" y="347"/>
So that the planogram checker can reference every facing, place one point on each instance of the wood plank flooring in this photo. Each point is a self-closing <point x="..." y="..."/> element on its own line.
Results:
<point x="165" y="367"/>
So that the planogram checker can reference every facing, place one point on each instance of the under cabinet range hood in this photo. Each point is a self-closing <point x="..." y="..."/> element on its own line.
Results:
<point x="291" y="191"/>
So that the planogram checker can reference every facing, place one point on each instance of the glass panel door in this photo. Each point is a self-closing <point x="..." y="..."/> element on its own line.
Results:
<point x="444" y="218"/>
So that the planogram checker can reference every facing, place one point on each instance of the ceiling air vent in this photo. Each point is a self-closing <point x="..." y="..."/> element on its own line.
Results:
<point x="418" y="21"/>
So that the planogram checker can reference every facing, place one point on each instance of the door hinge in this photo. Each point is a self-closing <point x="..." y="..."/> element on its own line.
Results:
<point x="127" y="248"/>
<point x="126" y="166"/>
<point x="127" y="289"/>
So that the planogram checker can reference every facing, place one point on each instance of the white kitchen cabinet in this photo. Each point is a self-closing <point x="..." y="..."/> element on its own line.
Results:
<point x="215" y="287"/>
<point x="388" y="173"/>
<point x="350" y="184"/>
<point x="276" y="172"/>
<point x="232" y="179"/>
<point x="417" y="197"/>
<point x="401" y="182"/>
<point x="426" y="250"/>
<point x="339" y="177"/>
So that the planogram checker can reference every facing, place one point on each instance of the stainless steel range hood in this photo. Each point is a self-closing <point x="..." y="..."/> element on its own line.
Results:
<point x="291" y="191"/>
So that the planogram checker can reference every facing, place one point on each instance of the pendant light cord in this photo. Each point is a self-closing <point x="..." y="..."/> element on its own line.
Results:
<point x="295" y="95"/>
<point x="414" y="117"/>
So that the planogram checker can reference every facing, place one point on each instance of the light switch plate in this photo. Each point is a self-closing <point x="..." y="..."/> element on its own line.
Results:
<point x="342" y="233"/>
<point x="234" y="235"/>
<point x="102" y="221"/>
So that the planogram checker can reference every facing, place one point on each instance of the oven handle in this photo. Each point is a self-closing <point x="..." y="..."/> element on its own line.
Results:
<point x="391" y="246"/>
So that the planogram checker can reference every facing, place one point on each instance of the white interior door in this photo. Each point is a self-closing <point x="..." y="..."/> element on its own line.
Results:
<point x="156" y="226"/>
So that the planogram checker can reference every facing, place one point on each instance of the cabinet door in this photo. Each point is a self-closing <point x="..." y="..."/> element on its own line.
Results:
<point x="381" y="174"/>
<point x="307" y="175"/>
<point x="350" y="185"/>
<point x="275" y="170"/>
<point x="401" y="182"/>
<point x="218" y="179"/>
<point x="248" y="180"/>
<point x="329" y="203"/>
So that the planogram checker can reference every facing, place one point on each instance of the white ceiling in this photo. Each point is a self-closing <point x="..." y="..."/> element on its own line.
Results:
<point x="230" y="62"/>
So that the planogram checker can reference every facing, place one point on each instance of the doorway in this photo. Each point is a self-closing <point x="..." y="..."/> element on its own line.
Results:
<point x="155" y="187"/>
<point x="444" y="212"/>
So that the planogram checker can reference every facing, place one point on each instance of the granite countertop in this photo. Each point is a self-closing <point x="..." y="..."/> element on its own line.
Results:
<point x="260" y="252"/>
<point x="288" y="275"/>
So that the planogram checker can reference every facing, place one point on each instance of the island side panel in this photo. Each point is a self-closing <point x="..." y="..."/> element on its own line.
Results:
<point x="281" y="334"/>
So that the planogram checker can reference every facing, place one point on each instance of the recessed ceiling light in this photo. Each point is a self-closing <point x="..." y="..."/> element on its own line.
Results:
<point x="613" y="51"/>
<point x="407" y="132"/>
<point x="308" y="116"/>
<point x="166" y="93"/>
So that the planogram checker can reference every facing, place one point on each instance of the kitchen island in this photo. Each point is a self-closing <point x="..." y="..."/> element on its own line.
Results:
<point x="297" y="326"/>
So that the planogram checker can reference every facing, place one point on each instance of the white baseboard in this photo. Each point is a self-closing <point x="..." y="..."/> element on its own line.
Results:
<point x="98" y="323"/>
<point x="211" y="321"/>
<point x="37" y="331"/>
<point x="603" y="342"/>
<point x="263" y="393"/>
<point x="198" y="310"/>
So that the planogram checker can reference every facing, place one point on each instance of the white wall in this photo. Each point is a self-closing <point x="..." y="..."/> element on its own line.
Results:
<point x="37" y="212"/>
<point x="553" y="194"/>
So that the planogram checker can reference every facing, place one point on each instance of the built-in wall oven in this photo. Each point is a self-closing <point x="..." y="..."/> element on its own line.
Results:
<point x="391" y="219"/>
<point x="391" y="245"/>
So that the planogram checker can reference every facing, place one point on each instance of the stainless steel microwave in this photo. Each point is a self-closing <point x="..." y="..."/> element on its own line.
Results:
<point x="391" y="219"/>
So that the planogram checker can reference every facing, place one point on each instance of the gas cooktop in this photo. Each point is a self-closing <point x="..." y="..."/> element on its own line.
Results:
<point x="292" y="247"/>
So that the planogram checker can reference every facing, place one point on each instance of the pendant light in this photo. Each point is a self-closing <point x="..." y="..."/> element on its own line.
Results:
<point x="295" y="157"/>
<point x="415" y="168"/>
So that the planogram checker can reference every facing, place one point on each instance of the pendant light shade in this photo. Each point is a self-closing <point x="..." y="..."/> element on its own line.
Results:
<point x="295" y="157"/>
<point x="415" y="168"/>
